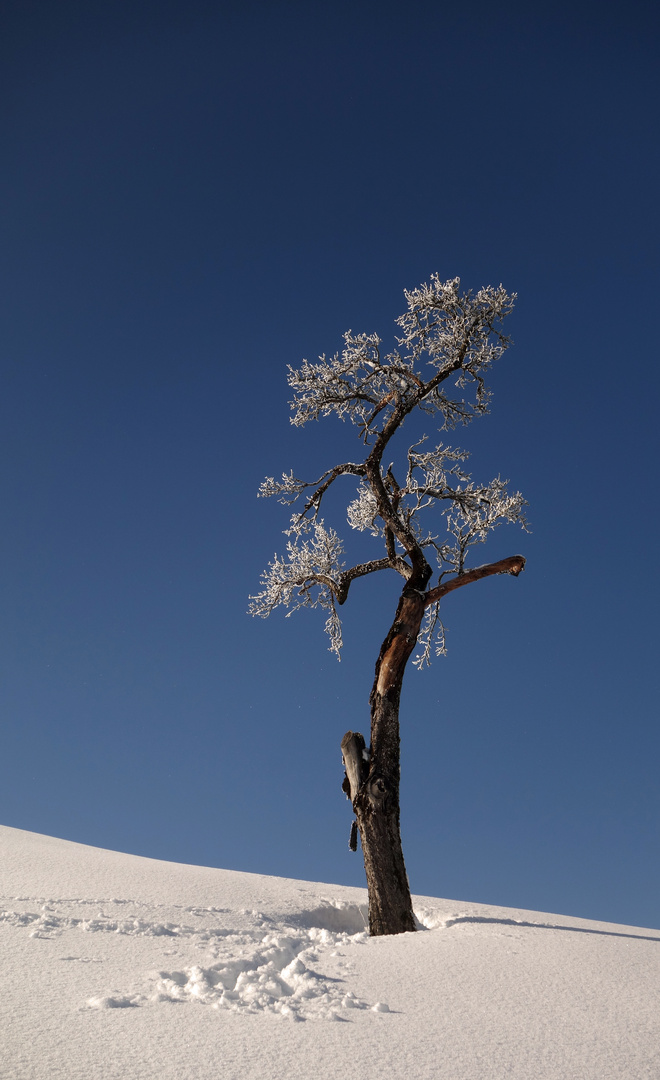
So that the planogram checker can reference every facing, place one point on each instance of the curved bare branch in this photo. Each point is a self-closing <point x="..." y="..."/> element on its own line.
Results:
<point x="514" y="565"/>
<point x="394" y="563"/>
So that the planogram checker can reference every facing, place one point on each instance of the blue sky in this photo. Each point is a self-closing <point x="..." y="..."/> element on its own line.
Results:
<point x="194" y="195"/>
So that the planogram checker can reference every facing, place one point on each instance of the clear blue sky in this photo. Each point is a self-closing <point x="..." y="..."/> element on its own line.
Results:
<point x="194" y="195"/>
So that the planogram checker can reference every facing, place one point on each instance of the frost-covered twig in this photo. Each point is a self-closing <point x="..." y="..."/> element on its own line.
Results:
<point x="307" y="577"/>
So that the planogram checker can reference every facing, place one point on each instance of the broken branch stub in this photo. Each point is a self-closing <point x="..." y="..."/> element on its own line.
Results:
<point x="356" y="762"/>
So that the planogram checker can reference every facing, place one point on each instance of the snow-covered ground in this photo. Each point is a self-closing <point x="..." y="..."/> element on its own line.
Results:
<point x="119" y="966"/>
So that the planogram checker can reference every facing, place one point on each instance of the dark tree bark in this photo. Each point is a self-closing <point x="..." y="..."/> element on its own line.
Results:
<point x="372" y="777"/>
<point x="374" y="785"/>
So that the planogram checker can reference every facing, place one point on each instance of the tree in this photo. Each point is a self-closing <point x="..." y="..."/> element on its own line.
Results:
<point x="447" y="340"/>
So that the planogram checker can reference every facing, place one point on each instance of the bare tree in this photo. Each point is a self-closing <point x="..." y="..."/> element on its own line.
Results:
<point x="447" y="340"/>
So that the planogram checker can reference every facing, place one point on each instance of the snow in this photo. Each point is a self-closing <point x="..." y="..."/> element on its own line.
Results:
<point x="120" y="966"/>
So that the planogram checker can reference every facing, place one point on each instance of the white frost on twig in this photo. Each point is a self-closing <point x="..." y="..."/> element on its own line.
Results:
<point x="431" y="634"/>
<point x="308" y="576"/>
<point x="363" y="511"/>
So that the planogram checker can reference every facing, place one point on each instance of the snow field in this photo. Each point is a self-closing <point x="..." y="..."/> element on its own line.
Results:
<point x="121" y="967"/>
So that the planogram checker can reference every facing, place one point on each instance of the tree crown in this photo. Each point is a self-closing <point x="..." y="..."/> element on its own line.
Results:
<point x="447" y="342"/>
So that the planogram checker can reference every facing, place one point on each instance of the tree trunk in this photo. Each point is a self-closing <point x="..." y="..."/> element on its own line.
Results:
<point x="372" y="778"/>
<point x="376" y="800"/>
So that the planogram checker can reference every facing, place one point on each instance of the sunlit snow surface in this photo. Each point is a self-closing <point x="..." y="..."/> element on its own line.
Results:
<point x="118" y="966"/>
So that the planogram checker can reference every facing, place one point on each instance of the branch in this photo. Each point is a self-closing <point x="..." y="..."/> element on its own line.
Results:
<point x="292" y="488"/>
<point x="356" y="763"/>
<point x="339" y="470"/>
<point x="392" y="520"/>
<point x="514" y="564"/>
<point x="396" y="563"/>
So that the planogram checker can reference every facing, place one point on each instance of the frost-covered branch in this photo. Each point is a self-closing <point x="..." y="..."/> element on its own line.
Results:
<point x="355" y="384"/>
<point x="474" y="513"/>
<point x="307" y="577"/>
<point x="311" y="575"/>
<point x="363" y="512"/>
<point x="457" y="333"/>
<point x="432" y="633"/>
<point x="445" y="333"/>
<point x="290" y="488"/>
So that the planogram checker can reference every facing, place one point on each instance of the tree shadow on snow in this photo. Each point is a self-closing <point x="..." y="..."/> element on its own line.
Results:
<point x="546" y="926"/>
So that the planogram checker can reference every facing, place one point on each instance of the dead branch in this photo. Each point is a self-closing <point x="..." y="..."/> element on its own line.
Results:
<point x="514" y="564"/>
